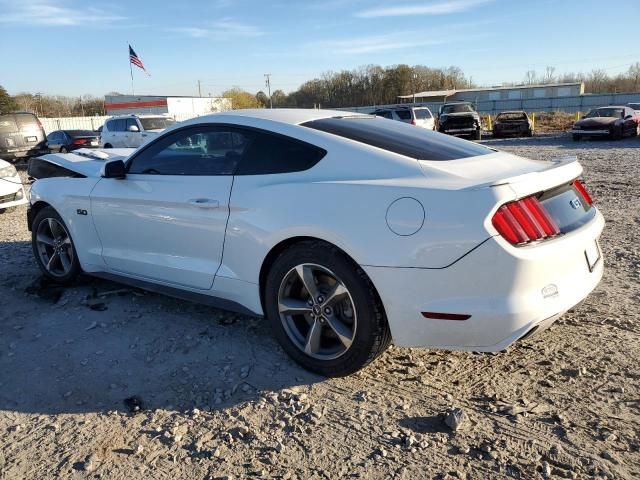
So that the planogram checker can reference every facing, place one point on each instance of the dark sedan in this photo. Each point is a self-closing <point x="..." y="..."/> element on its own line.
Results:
<point x="68" y="140"/>
<point x="612" y="122"/>
<point x="512" y="123"/>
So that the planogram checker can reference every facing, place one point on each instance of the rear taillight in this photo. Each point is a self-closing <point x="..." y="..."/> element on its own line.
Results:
<point x="524" y="221"/>
<point x="583" y="191"/>
<point x="413" y="122"/>
<point x="80" y="141"/>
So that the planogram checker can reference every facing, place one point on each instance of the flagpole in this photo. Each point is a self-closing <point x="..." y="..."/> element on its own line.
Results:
<point x="133" y="92"/>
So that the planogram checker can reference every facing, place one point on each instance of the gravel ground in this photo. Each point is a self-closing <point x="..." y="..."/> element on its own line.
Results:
<point x="101" y="381"/>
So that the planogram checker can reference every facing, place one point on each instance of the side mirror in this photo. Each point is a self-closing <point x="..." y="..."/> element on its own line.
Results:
<point x="628" y="117"/>
<point x="133" y="128"/>
<point x="114" y="169"/>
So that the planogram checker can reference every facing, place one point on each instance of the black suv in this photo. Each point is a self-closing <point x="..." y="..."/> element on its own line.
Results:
<point x="460" y="119"/>
<point x="21" y="135"/>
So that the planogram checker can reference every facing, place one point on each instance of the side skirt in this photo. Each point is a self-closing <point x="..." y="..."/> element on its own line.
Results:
<point x="221" y="303"/>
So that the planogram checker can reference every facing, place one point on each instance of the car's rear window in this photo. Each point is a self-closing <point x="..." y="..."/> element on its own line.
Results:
<point x="7" y="124"/>
<point x="80" y="133"/>
<point x="511" y="116"/>
<point x="422" y="114"/>
<point x="399" y="137"/>
<point x="26" y="120"/>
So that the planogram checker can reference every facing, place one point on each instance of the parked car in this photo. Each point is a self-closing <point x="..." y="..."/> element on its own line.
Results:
<point x="614" y="122"/>
<point x="68" y="140"/>
<point x="21" y="136"/>
<point x="635" y="107"/>
<point x="131" y="131"/>
<point x="296" y="199"/>
<point x="12" y="192"/>
<point x="515" y="123"/>
<point x="418" y="116"/>
<point x="460" y="118"/>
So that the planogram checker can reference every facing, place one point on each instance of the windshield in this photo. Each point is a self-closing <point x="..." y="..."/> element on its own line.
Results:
<point x="634" y="106"/>
<point x="399" y="137"/>
<point x="511" y="116"/>
<point x="158" y="123"/>
<point x="457" y="108"/>
<point x="605" y="112"/>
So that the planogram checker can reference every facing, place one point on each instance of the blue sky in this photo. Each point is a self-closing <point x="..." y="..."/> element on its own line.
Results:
<point x="66" y="47"/>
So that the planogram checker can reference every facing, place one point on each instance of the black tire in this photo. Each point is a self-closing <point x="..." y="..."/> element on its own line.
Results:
<point x="576" y="138"/>
<point x="529" y="133"/>
<point x="64" y="150"/>
<point x="371" y="336"/>
<point x="43" y="216"/>
<point x="618" y="133"/>
<point x="108" y="145"/>
<point x="477" y="135"/>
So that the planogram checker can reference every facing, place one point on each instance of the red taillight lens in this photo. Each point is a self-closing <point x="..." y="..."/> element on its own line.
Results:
<point x="524" y="221"/>
<point x="80" y="141"/>
<point x="583" y="191"/>
<point x="413" y="122"/>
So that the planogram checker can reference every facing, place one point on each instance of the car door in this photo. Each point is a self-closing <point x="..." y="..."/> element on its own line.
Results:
<point x="630" y="125"/>
<point x="166" y="220"/>
<point x="133" y="139"/>
<point x="53" y="140"/>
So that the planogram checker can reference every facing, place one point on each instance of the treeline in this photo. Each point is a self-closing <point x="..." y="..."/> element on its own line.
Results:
<point x="366" y="85"/>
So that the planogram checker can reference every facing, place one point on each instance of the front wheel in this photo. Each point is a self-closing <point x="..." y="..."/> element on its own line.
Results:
<point x="324" y="310"/>
<point x="53" y="248"/>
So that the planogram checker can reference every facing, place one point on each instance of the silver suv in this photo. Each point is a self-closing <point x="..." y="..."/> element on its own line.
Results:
<point x="418" y="116"/>
<point x="131" y="131"/>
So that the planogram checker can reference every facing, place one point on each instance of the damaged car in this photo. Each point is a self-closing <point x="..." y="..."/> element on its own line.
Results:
<point x="614" y="122"/>
<point x="346" y="231"/>
<point x="460" y="119"/>
<point x="514" y="124"/>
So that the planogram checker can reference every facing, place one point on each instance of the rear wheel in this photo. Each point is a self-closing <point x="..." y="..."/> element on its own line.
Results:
<point x="324" y="310"/>
<point x="53" y="248"/>
<point x="63" y="150"/>
<point x="108" y="145"/>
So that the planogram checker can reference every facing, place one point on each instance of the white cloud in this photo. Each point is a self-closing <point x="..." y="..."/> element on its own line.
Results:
<point x="45" y="13"/>
<point x="374" y="43"/>
<point x="221" y="29"/>
<point x="440" y="8"/>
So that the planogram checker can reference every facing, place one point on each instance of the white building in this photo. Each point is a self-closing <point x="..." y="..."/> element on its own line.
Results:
<point x="180" y="107"/>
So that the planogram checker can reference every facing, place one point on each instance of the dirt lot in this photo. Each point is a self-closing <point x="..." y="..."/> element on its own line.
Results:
<point x="219" y="399"/>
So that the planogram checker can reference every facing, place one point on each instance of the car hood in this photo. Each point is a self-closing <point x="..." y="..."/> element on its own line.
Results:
<point x="88" y="162"/>
<point x="596" y="122"/>
<point x="459" y="114"/>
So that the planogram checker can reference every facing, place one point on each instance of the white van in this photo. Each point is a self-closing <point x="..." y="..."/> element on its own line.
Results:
<point x="131" y="131"/>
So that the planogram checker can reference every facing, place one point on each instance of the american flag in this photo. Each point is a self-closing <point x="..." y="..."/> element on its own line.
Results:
<point x="133" y="58"/>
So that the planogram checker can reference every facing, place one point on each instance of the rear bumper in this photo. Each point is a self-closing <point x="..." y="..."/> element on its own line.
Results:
<point x="17" y="153"/>
<point x="508" y="291"/>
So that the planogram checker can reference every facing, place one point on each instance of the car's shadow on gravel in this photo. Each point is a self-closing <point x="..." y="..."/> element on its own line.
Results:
<point x="100" y="346"/>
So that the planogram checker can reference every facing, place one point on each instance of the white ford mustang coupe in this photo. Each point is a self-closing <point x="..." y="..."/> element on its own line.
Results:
<point x="346" y="231"/>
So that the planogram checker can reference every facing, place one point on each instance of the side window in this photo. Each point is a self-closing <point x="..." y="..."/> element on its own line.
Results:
<point x="271" y="153"/>
<point x="110" y="125"/>
<point x="193" y="151"/>
<point x="404" y="114"/>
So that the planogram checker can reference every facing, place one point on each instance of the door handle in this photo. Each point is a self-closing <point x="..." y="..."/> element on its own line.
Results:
<point x="204" y="203"/>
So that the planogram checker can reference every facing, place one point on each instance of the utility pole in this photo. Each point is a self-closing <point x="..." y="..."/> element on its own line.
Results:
<point x="81" y="106"/>
<point x="199" y="90"/>
<point x="268" y="84"/>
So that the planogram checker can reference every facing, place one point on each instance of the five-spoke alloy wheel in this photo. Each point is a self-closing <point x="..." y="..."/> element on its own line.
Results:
<point x="317" y="312"/>
<point x="53" y="247"/>
<point x="324" y="310"/>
